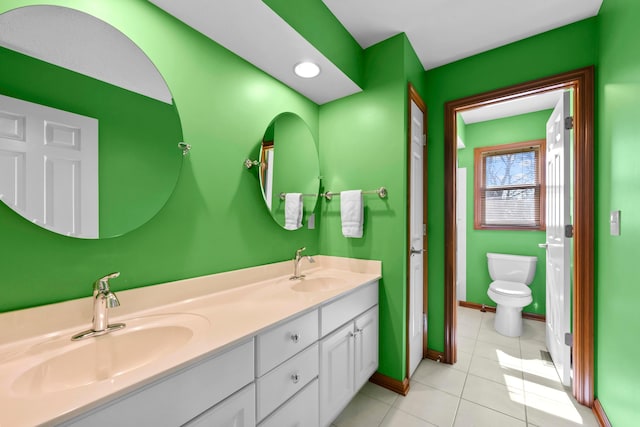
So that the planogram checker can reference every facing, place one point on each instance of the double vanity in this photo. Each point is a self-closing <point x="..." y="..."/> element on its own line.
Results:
<point x="242" y="348"/>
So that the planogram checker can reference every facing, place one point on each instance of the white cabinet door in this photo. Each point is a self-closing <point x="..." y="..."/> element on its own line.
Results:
<point x="336" y="373"/>
<point x="236" y="411"/>
<point x="366" y="347"/>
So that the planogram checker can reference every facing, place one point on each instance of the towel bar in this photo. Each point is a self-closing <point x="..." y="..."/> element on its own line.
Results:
<point x="382" y="192"/>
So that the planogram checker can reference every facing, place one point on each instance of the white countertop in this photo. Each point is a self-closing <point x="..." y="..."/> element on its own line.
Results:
<point x="224" y="308"/>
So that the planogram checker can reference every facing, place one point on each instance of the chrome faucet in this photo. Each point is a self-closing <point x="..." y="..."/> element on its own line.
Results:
<point x="296" y="263"/>
<point x="103" y="300"/>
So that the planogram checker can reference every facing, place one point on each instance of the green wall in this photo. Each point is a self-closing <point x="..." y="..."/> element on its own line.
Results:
<point x="525" y="127"/>
<point x="139" y="159"/>
<point x="363" y="146"/>
<point x="553" y="52"/>
<point x="215" y="219"/>
<point x="617" y="178"/>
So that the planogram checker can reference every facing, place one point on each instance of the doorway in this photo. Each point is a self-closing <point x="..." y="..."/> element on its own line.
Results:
<point x="582" y="83"/>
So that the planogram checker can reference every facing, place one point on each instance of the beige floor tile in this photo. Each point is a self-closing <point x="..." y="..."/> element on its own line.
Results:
<point x="533" y="330"/>
<point x="429" y="404"/>
<point x="468" y="329"/>
<point x="488" y="321"/>
<point x="463" y="362"/>
<point x="398" y="418"/>
<point x="441" y="376"/>
<point x="469" y="314"/>
<point x="493" y="337"/>
<point x="473" y="415"/>
<point x="507" y="371"/>
<point x="379" y="393"/>
<point x="550" y="388"/>
<point x="548" y="412"/>
<point x="466" y="344"/>
<point x="508" y="400"/>
<point x="541" y="371"/>
<point x="495" y="351"/>
<point x="530" y="349"/>
<point x="363" y="411"/>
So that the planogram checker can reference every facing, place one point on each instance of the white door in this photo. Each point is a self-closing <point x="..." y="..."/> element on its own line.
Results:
<point x="336" y="373"/>
<point x="49" y="166"/>
<point x="461" y="234"/>
<point x="366" y="347"/>
<point x="558" y="248"/>
<point x="416" y="237"/>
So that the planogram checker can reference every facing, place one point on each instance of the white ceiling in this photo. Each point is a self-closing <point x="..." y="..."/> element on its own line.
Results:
<point x="440" y="31"/>
<point x="443" y="31"/>
<point x="84" y="44"/>
<point x="251" y="30"/>
<point x="515" y="107"/>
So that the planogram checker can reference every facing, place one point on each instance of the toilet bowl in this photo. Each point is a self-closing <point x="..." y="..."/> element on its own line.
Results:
<point x="512" y="275"/>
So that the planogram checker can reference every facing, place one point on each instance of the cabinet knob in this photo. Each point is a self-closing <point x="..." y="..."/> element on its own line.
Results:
<point x="359" y="331"/>
<point x="295" y="377"/>
<point x="295" y="337"/>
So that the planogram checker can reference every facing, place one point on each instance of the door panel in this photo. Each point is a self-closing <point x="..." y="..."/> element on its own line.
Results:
<point x="416" y="237"/>
<point x="558" y="285"/>
<point x="49" y="166"/>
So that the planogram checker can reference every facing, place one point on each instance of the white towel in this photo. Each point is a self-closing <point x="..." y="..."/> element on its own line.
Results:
<point x="351" y="213"/>
<point x="293" y="211"/>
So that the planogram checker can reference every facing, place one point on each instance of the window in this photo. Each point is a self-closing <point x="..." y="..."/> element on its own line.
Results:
<point x="509" y="191"/>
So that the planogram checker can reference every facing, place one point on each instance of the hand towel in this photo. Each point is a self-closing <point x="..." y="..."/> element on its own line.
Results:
<point x="293" y="211"/>
<point x="351" y="213"/>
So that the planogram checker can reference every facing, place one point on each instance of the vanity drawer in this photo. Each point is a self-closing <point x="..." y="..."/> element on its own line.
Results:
<point x="280" y="343"/>
<point x="301" y="411"/>
<point x="285" y="381"/>
<point x="180" y="397"/>
<point x="337" y="313"/>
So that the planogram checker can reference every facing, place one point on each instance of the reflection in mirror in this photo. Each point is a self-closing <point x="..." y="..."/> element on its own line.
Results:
<point x="289" y="164"/>
<point x="88" y="129"/>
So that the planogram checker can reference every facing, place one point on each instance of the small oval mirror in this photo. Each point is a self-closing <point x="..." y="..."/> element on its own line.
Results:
<point x="89" y="131"/>
<point x="289" y="164"/>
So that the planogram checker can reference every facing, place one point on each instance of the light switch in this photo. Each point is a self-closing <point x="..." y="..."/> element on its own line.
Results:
<point x="614" y="222"/>
<point x="311" y="222"/>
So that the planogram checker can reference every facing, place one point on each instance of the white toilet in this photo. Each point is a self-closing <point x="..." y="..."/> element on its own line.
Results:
<point x="512" y="275"/>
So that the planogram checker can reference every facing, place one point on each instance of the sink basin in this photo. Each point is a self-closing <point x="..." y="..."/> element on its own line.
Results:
<point x="79" y="363"/>
<point x="318" y="284"/>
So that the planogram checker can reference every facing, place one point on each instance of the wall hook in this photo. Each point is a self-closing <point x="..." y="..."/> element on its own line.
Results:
<point x="248" y="163"/>
<point x="184" y="147"/>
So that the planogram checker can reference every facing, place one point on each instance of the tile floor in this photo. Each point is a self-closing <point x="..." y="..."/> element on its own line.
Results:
<point x="497" y="382"/>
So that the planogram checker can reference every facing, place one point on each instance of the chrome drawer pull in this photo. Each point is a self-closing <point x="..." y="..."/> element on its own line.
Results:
<point x="295" y="378"/>
<point x="295" y="337"/>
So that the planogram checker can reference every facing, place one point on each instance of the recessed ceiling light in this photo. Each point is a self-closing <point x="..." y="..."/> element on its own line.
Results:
<point x="306" y="69"/>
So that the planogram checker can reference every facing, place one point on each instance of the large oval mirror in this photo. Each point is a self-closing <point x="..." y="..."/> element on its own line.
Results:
<point x="289" y="164"/>
<point x="89" y="131"/>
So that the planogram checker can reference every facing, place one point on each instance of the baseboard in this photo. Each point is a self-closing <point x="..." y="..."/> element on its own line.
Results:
<point x="400" y="387"/>
<point x="438" y="356"/>
<point x="491" y="309"/>
<point x="476" y="306"/>
<point x="598" y="411"/>
<point x="534" y="316"/>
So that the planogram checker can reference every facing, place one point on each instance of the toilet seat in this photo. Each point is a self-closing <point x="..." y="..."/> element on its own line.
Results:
<point x="510" y="289"/>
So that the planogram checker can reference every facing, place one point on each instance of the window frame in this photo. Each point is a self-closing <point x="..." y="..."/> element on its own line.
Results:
<point x="479" y="154"/>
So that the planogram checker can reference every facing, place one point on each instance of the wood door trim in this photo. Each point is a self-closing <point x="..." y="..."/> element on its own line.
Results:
<point x="400" y="387"/>
<point x="582" y="81"/>
<point x="415" y="97"/>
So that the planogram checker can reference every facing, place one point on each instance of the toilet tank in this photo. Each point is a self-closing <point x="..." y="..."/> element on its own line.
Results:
<point x="512" y="268"/>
